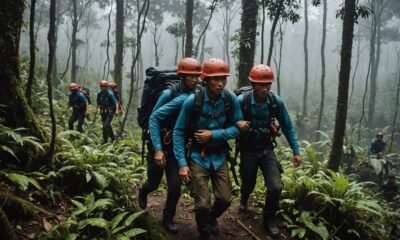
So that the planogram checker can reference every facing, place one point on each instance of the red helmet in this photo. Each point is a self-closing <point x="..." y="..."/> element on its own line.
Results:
<point x="261" y="73"/>
<point x="189" y="66"/>
<point x="214" y="67"/>
<point x="103" y="83"/>
<point x="73" y="86"/>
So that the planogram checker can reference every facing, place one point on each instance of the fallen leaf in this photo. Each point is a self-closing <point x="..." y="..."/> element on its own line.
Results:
<point x="47" y="225"/>
<point x="60" y="218"/>
<point x="32" y="236"/>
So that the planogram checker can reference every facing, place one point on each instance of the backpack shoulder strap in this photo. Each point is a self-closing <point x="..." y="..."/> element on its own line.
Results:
<point x="197" y="108"/>
<point x="174" y="88"/>
<point x="273" y="107"/>
<point x="246" y="104"/>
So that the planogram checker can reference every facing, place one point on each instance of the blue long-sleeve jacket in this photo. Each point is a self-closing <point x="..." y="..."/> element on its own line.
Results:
<point x="106" y="98"/>
<point x="221" y="132"/>
<point x="77" y="99"/>
<point x="156" y="119"/>
<point x="162" y="114"/>
<point x="259" y="118"/>
<point x="377" y="147"/>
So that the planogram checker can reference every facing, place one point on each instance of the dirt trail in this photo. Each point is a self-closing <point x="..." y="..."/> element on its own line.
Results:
<point x="228" y="222"/>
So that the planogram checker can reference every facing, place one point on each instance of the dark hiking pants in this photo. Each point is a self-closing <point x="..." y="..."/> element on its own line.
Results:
<point x="77" y="115"/>
<point x="265" y="159"/>
<point x="106" y="118"/>
<point x="154" y="176"/>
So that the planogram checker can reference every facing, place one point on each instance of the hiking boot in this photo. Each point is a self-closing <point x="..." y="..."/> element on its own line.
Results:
<point x="170" y="225"/>
<point x="271" y="228"/>
<point x="214" y="228"/>
<point x="142" y="199"/>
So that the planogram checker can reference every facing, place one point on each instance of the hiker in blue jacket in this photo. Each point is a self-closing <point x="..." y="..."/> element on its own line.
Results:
<point x="378" y="145"/>
<point x="161" y="157"/>
<point x="208" y="117"/>
<point x="260" y="109"/>
<point x="108" y="105"/>
<point x="80" y="106"/>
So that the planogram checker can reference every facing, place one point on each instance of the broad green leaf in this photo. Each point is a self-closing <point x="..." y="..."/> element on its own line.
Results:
<point x="72" y="236"/>
<point x="34" y="183"/>
<point x="319" y="229"/>
<point x="117" y="219"/>
<point x="19" y="179"/>
<point x="95" y="222"/>
<point x="10" y="151"/>
<point x="101" y="180"/>
<point x="132" y="217"/>
<point x="88" y="176"/>
<point x="134" y="232"/>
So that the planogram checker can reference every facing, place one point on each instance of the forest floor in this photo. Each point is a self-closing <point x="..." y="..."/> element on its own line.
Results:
<point x="229" y="222"/>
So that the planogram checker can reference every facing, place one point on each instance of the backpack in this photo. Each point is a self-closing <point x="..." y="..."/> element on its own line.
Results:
<point x="157" y="80"/>
<point x="86" y="93"/>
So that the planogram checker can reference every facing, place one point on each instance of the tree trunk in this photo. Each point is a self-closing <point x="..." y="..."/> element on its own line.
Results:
<point x="305" y="44"/>
<point x="51" y="39"/>
<point x="212" y="9"/>
<point x="343" y="92"/>
<point x="32" y="47"/>
<point x="247" y="45"/>
<point x="356" y="67"/>
<point x="55" y="78"/>
<point x="189" y="28"/>
<point x="119" y="47"/>
<point x="397" y="102"/>
<point x="278" y="69"/>
<point x="374" y="67"/>
<point x="227" y="36"/>
<point x="156" y="40"/>
<point x="73" y="42"/>
<point x="321" y="105"/>
<point x="176" y="51"/>
<point x="17" y="113"/>
<point x="203" y="46"/>
<point x="272" y="34"/>
<point x="107" y="62"/>
<point x="262" y="31"/>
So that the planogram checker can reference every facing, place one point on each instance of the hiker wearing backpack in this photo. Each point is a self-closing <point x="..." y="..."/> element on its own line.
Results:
<point x="114" y="89"/>
<point x="80" y="106"/>
<point x="108" y="106"/>
<point x="208" y="118"/>
<point x="161" y="157"/>
<point x="261" y="108"/>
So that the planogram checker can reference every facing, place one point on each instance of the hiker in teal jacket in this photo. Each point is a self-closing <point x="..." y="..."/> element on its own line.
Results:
<point x="208" y="117"/>
<point x="260" y="108"/>
<point x="161" y="156"/>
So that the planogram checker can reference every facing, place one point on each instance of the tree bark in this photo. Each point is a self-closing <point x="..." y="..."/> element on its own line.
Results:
<point x="321" y="105"/>
<point x="343" y="92"/>
<point x="276" y="18"/>
<point x="213" y="6"/>
<point x="305" y="45"/>
<point x="176" y="51"/>
<point x="51" y="38"/>
<point x="356" y="67"/>
<point x="32" y="47"/>
<point x="397" y="102"/>
<point x="247" y="45"/>
<point x="55" y="78"/>
<point x="107" y="62"/>
<point x="189" y="28"/>
<point x="119" y="48"/>
<point x="73" y="42"/>
<point x="203" y="46"/>
<point x="262" y="31"/>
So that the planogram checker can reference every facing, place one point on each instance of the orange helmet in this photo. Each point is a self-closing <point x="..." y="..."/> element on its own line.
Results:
<point x="214" y="67"/>
<point x="73" y="86"/>
<point x="261" y="73"/>
<point x="189" y="66"/>
<point x="103" y="83"/>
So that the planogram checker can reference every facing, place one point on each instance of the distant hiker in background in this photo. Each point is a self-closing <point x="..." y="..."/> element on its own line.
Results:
<point x="108" y="105"/>
<point x="161" y="157"/>
<point x="390" y="189"/>
<point x="115" y="90"/>
<point x="377" y="145"/>
<point x="80" y="107"/>
<point x="261" y="109"/>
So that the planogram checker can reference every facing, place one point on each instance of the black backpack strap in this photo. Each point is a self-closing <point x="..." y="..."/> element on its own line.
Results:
<point x="273" y="107"/>
<point x="227" y="105"/>
<point x="246" y="104"/>
<point x="174" y="88"/>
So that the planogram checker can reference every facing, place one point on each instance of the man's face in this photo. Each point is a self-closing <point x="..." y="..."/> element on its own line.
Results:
<point x="103" y="88"/>
<point x="191" y="80"/>
<point x="379" y="138"/>
<point x="261" y="89"/>
<point x="216" y="84"/>
<point x="392" y="181"/>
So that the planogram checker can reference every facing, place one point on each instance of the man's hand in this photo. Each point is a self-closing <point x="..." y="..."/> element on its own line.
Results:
<point x="203" y="136"/>
<point x="296" y="160"/>
<point x="184" y="173"/>
<point x="159" y="159"/>
<point x="243" y="126"/>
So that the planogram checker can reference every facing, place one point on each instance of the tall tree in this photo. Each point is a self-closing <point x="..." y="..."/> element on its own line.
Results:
<point x="276" y="13"/>
<point x="343" y="92"/>
<point x="247" y="42"/>
<point x="230" y="10"/>
<point x="74" y="43"/>
<point x="17" y="113"/>
<point x="119" y="46"/>
<point x="32" y="47"/>
<point x="51" y="39"/>
<point x="397" y="101"/>
<point x="189" y="28"/>
<point x="177" y="30"/>
<point x="212" y="8"/>
<point x="305" y="46"/>
<point x="107" y="43"/>
<point x="322" y="103"/>
<point x="263" y="5"/>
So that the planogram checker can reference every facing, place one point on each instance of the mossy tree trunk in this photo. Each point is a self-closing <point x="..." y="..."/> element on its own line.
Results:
<point x="17" y="112"/>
